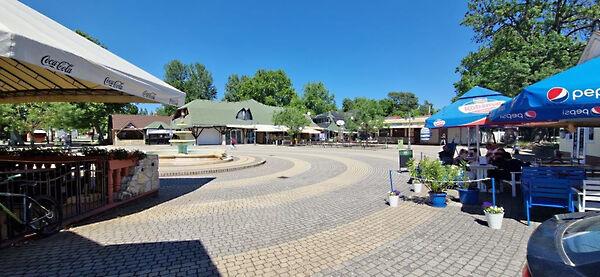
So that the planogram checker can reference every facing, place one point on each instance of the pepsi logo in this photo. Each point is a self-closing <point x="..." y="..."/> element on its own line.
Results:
<point x="557" y="95"/>
<point x="596" y="110"/>
<point x="530" y="114"/>
<point x="439" y="123"/>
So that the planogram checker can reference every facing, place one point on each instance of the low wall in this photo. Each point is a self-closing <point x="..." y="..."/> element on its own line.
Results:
<point x="143" y="178"/>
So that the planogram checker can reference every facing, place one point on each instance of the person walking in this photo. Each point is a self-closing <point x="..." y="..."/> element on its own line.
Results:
<point x="233" y="142"/>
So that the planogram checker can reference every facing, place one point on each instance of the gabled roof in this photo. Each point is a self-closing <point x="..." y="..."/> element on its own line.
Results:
<point x="206" y="113"/>
<point x="158" y="125"/>
<point x="121" y="121"/>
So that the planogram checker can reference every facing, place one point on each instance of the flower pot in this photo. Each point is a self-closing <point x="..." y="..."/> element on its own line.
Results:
<point x="494" y="221"/>
<point x="438" y="200"/>
<point x="393" y="200"/>
<point x="417" y="187"/>
<point x="468" y="196"/>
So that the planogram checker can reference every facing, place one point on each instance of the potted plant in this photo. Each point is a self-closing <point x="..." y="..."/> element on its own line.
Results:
<point x="467" y="194"/>
<point x="393" y="198"/>
<point x="493" y="216"/>
<point x="415" y="174"/>
<point x="437" y="178"/>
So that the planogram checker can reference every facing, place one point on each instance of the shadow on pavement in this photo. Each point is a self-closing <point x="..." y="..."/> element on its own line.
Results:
<point x="513" y="208"/>
<point x="170" y="188"/>
<point x="70" y="254"/>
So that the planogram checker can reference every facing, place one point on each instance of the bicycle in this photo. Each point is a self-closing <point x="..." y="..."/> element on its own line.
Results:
<point x="40" y="213"/>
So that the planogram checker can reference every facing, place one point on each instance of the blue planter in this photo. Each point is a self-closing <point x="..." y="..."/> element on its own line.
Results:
<point x="438" y="200"/>
<point x="469" y="196"/>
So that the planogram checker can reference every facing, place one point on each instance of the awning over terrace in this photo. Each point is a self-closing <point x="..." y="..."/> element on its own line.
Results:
<point x="470" y="109"/>
<point x="43" y="61"/>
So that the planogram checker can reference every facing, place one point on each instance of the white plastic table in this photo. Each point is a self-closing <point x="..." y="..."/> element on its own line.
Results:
<point x="481" y="172"/>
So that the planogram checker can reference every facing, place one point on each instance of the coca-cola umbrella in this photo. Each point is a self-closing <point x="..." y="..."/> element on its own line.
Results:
<point x="470" y="110"/>
<point x="43" y="61"/>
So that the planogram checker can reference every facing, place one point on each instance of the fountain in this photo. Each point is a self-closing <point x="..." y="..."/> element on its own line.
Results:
<point x="184" y="138"/>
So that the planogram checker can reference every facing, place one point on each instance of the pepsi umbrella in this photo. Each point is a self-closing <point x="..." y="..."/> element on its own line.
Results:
<point x="471" y="109"/>
<point x="569" y="98"/>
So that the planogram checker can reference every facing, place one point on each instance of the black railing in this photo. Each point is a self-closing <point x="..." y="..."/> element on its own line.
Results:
<point x="78" y="184"/>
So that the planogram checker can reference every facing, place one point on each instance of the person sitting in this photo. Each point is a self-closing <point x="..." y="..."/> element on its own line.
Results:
<point x="503" y="162"/>
<point x="462" y="157"/>
<point x="446" y="157"/>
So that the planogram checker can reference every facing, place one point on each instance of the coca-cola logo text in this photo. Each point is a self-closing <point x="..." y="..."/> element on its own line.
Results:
<point x="113" y="83"/>
<point x="149" y="95"/>
<point x="62" y="66"/>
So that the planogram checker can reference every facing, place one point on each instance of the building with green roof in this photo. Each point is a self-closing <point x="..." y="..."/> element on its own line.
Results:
<point x="215" y="122"/>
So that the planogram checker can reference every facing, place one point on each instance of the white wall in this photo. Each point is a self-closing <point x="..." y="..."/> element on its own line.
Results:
<point x="593" y="146"/>
<point x="209" y="136"/>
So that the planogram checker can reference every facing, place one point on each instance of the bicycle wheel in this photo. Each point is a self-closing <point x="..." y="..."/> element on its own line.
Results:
<point x="46" y="218"/>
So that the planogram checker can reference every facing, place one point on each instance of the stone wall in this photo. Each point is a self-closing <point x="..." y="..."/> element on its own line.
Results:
<point x="143" y="178"/>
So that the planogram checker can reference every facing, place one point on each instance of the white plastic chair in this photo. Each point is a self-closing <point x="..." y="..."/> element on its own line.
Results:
<point x="589" y="197"/>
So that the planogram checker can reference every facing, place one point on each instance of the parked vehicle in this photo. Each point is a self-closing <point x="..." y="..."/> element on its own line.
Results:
<point x="565" y="245"/>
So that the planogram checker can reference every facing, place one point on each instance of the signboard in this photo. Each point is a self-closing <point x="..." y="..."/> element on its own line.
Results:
<point x="480" y="106"/>
<point x="425" y="134"/>
<point x="340" y="123"/>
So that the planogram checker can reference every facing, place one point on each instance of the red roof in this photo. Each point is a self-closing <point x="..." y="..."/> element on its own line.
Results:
<point x="120" y="121"/>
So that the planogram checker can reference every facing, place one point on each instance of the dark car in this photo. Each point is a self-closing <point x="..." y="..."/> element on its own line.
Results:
<point x="565" y="245"/>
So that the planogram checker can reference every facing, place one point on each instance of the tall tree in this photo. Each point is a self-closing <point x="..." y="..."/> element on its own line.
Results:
<point x="193" y="79"/>
<point x="403" y="102"/>
<point x="317" y="98"/>
<point x="232" y="87"/>
<point x="270" y="87"/>
<point x="524" y="41"/>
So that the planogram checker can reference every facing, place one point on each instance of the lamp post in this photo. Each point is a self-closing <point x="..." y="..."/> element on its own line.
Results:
<point x="409" y="118"/>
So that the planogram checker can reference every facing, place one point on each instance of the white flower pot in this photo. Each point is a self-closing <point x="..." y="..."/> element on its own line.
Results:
<point x="494" y="221"/>
<point x="417" y="187"/>
<point x="393" y="200"/>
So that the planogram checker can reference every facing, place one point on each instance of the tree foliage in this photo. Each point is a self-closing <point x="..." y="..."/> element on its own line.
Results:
<point x="193" y="79"/>
<point x="403" y="103"/>
<point x="291" y="118"/>
<point x="270" y="87"/>
<point x="317" y="98"/>
<point x="524" y="41"/>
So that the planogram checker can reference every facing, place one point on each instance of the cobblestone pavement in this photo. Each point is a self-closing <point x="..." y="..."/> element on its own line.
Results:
<point x="307" y="211"/>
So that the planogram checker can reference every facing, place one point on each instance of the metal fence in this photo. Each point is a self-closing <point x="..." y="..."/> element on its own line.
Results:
<point x="79" y="184"/>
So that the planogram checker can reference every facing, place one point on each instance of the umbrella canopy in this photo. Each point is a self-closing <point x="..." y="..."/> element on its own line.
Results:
<point x="470" y="109"/>
<point x="42" y="61"/>
<point x="570" y="97"/>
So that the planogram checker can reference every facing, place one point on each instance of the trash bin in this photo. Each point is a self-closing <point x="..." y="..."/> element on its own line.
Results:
<point x="403" y="156"/>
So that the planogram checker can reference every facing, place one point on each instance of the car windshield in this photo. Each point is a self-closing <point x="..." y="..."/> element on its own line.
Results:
<point x="581" y="241"/>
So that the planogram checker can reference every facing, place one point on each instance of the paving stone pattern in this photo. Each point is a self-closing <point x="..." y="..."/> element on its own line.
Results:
<point x="326" y="217"/>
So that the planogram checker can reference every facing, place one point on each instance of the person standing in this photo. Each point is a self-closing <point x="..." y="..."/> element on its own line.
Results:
<point x="233" y="142"/>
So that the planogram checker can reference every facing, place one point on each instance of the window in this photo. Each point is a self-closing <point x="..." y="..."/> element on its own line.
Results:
<point x="244" y="114"/>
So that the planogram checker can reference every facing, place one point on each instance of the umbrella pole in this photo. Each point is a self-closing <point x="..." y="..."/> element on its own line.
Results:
<point x="478" y="140"/>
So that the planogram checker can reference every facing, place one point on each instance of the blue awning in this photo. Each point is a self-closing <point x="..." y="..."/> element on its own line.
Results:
<point x="571" y="96"/>
<point x="470" y="109"/>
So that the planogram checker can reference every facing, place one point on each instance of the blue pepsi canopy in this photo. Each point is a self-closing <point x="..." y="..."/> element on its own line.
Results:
<point x="470" y="109"/>
<point x="570" y="96"/>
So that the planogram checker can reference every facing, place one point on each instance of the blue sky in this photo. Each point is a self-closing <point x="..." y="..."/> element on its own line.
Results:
<point x="357" y="48"/>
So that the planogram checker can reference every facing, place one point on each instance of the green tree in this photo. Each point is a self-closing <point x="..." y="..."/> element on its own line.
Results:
<point x="524" y="41"/>
<point x="232" y="87"/>
<point x="193" y="79"/>
<point x="270" y="87"/>
<point x="317" y="98"/>
<point x="403" y="102"/>
<point x="347" y="104"/>
<point x="368" y="116"/>
<point x="291" y="118"/>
